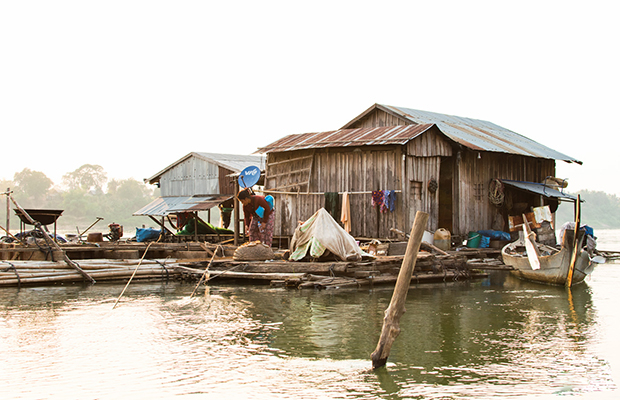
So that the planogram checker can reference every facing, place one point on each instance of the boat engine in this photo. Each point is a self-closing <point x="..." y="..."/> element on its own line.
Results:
<point x="116" y="232"/>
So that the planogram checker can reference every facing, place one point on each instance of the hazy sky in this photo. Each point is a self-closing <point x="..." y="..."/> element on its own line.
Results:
<point x="135" y="85"/>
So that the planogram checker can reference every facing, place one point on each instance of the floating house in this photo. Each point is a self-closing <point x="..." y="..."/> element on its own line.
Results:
<point x="196" y="182"/>
<point x="467" y="174"/>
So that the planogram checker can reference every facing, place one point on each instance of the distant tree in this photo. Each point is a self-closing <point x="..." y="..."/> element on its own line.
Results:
<point x="88" y="177"/>
<point x="31" y="188"/>
<point x="599" y="210"/>
<point x="124" y="197"/>
<point x="5" y="184"/>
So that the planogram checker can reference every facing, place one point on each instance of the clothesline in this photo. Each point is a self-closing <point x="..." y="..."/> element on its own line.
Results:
<point x="319" y="193"/>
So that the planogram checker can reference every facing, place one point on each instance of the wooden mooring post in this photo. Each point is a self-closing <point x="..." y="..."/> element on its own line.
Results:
<point x="391" y="321"/>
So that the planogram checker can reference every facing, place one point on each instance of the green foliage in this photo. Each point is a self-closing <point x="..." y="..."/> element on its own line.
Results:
<point x="87" y="177"/>
<point x="123" y="198"/>
<point x="599" y="210"/>
<point x="83" y="200"/>
<point x="32" y="188"/>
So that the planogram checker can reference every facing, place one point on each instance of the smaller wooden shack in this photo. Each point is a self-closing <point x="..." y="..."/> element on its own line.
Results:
<point x="194" y="183"/>
<point x="440" y="164"/>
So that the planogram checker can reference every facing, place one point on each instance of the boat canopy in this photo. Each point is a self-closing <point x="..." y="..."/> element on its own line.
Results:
<point x="540" y="189"/>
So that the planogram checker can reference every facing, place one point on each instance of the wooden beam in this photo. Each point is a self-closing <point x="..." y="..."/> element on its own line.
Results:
<point x="391" y="322"/>
<point x="289" y="161"/>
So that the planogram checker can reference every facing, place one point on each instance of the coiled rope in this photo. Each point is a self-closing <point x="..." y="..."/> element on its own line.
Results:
<point x="496" y="192"/>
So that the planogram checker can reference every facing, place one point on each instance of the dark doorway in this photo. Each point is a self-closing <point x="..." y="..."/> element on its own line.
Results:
<point x="445" y="193"/>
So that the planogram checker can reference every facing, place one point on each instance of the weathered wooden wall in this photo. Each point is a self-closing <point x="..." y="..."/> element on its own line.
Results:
<point x="194" y="176"/>
<point x="423" y="162"/>
<point x="379" y="118"/>
<point x="227" y="184"/>
<point x="475" y="211"/>
<point x="359" y="170"/>
<point x="356" y="170"/>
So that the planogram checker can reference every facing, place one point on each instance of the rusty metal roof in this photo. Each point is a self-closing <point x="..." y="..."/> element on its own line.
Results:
<point x="384" y="135"/>
<point x="475" y="134"/>
<point x="478" y="134"/>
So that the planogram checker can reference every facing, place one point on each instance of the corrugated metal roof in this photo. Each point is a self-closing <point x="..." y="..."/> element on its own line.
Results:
<point x="385" y="135"/>
<point x="539" y="188"/>
<point x="233" y="162"/>
<point x="481" y="135"/>
<point x="163" y="206"/>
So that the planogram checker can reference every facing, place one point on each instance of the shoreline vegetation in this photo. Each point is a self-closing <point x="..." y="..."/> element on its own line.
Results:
<point x="599" y="210"/>
<point x="84" y="195"/>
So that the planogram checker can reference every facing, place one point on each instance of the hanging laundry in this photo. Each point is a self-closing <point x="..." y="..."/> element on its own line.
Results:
<point x="377" y="197"/>
<point x="346" y="212"/>
<point x="389" y="200"/>
<point x="384" y="205"/>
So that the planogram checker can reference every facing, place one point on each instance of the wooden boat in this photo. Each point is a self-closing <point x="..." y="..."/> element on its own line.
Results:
<point x="555" y="264"/>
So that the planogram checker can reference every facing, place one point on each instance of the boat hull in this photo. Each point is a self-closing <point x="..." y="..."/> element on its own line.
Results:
<point x="553" y="268"/>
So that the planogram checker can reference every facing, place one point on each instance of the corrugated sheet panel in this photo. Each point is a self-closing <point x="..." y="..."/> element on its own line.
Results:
<point x="539" y="188"/>
<point x="481" y="135"/>
<point x="348" y="137"/>
<point x="234" y="162"/>
<point x="163" y="206"/>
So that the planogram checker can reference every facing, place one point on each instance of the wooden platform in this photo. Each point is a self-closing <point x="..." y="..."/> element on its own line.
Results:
<point x="188" y="261"/>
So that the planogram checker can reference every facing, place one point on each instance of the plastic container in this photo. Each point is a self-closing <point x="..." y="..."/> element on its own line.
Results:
<point x="485" y="242"/>
<point x="473" y="240"/>
<point x="442" y="239"/>
<point x="428" y="237"/>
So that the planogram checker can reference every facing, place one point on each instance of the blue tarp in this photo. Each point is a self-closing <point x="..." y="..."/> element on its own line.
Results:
<point x="146" y="234"/>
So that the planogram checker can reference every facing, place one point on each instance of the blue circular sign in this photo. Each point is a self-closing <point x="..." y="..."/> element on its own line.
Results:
<point x="249" y="176"/>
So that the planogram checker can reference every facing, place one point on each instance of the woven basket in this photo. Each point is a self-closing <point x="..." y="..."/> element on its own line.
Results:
<point x="253" y="251"/>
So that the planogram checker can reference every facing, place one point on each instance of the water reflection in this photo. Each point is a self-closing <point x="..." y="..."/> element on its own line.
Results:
<point x="498" y="336"/>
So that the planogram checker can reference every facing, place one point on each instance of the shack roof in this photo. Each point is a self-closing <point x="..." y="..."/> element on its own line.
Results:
<point x="540" y="189"/>
<point x="232" y="162"/>
<point x="348" y="137"/>
<point x="166" y="205"/>
<point x="472" y="133"/>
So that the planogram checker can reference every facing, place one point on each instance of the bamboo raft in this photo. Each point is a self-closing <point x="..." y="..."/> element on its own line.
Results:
<point x="17" y="273"/>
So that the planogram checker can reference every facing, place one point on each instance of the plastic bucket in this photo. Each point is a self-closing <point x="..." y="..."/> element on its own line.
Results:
<point x="473" y="240"/>
<point x="95" y="237"/>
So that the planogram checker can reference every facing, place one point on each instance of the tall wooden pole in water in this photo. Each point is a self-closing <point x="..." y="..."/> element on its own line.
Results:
<point x="576" y="249"/>
<point x="8" y="211"/>
<point x="391" y="321"/>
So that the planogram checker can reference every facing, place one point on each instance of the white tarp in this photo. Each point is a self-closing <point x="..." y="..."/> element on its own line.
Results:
<point x="319" y="233"/>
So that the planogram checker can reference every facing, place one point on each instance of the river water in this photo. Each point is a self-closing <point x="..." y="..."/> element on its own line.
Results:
<point x="489" y="338"/>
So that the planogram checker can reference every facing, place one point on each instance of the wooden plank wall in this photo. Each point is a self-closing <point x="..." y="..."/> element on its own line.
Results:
<point x="419" y="171"/>
<point x="339" y="170"/>
<point x="190" y="177"/>
<point x="227" y="184"/>
<point x="424" y="155"/>
<point x="379" y="118"/>
<point x="475" y="210"/>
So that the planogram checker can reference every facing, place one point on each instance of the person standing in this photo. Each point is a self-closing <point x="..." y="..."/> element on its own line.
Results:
<point x="258" y="228"/>
<point x="226" y="209"/>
